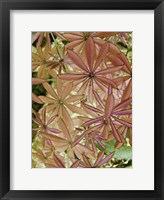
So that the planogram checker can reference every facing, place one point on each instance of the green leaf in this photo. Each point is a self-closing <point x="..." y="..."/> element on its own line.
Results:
<point x="121" y="46"/>
<point x="124" y="152"/>
<point x="99" y="147"/>
<point x="65" y="42"/>
<point x="129" y="55"/>
<point x="34" y="50"/>
<point x="36" y="106"/>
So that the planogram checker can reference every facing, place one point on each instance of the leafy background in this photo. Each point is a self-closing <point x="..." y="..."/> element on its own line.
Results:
<point x="47" y="45"/>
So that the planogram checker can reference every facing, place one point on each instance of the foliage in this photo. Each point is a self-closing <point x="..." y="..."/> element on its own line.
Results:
<point x="81" y="99"/>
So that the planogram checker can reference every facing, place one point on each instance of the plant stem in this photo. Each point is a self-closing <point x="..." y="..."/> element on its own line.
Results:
<point x="53" y="37"/>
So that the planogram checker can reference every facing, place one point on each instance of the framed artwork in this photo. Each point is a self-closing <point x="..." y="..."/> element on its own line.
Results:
<point x="74" y="121"/>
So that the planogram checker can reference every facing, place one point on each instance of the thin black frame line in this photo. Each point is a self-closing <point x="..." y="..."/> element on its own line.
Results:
<point x="5" y="7"/>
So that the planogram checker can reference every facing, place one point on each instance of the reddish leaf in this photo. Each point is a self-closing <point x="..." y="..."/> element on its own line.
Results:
<point x="106" y="81"/>
<point x="75" y="109"/>
<point x="127" y="91"/>
<point x="36" y="99"/>
<point x="66" y="91"/>
<point x="113" y="49"/>
<point x="90" y="52"/>
<point x="73" y="44"/>
<point x="40" y="40"/>
<point x="35" y="37"/>
<point x="53" y="130"/>
<point x="77" y="60"/>
<point x="109" y="106"/>
<point x="106" y="159"/>
<point x="75" y="164"/>
<point x="79" y="139"/>
<point x="121" y="80"/>
<point x="66" y="117"/>
<point x="36" y="81"/>
<point x="50" y="90"/>
<point x="109" y="70"/>
<point x="59" y="35"/>
<point x="64" y="129"/>
<point x="72" y="76"/>
<point x="115" y="133"/>
<point x="124" y="122"/>
<point x="115" y="60"/>
<point x="87" y="163"/>
<point x="72" y="37"/>
<point x="99" y="99"/>
<point x="58" y="161"/>
<point x="123" y="112"/>
<point x="92" y="121"/>
<point x="122" y="104"/>
<point x="125" y="60"/>
<point x="102" y="54"/>
<point x="99" y="158"/>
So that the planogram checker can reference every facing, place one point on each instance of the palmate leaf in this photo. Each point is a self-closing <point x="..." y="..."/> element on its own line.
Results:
<point x="87" y="96"/>
<point x="125" y="152"/>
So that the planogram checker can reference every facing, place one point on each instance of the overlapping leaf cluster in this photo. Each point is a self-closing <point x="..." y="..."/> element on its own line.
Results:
<point x="82" y="98"/>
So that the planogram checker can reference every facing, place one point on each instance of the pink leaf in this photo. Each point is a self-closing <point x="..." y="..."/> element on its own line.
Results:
<point x="109" y="70"/>
<point x="44" y="115"/>
<point x="78" y="139"/>
<point x="99" y="158"/>
<point x="102" y="54"/>
<point x="99" y="99"/>
<point x="90" y="52"/>
<point x="48" y="39"/>
<point x="113" y="49"/>
<point x="58" y="162"/>
<point x="63" y="127"/>
<point x="123" y="112"/>
<point x="125" y="60"/>
<point x="106" y="159"/>
<point x="74" y="44"/>
<point x="121" y="80"/>
<point x="75" y="164"/>
<point x="87" y="163"/>
<point x="51" y="119"/>
<point x="40" y="40"/>
<point x="67" y="89"/>
<point x="127" y="91"/>
<point x="109" y="106"/>
<point x="100" y="143"/>
<point x="124" y="122"/>
<point x="59" y="87"/>
<point x="77" y="60"/>
<point x="115" y="60"/>
<point x="59" y="35"/>
<point x="35" y="36"/>
<point x="72" y="37"/>
<point x="92" y="121"/>
<point x="106" y="81"/>
<point x="36" y="81"/>
<point x="76" y="109"/>
<point x="66" y="117"/>
<point x="50" y="90"/>
<point x="36" y="99"/>
<point x="53" y="130"/>
<point x="122" y="104"/>
<point x="47" y="100"/>
<point x="71" y="77"/>
<point x="115" y="133"/>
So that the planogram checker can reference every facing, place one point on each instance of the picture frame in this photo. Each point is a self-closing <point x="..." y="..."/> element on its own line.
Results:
<point x="5" y="104"/>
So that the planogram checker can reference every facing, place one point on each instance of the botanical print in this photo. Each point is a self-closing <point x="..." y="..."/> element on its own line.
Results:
<point x="81" y="99"/>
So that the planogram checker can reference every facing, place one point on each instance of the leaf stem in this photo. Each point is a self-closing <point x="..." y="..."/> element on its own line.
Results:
<point x="53" y="37"/>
